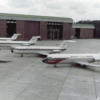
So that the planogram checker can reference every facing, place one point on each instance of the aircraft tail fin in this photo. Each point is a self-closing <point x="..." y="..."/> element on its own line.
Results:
<point x="34" y="39"/>
<point x="14" y="37"/>
<point x="65" y="43"/>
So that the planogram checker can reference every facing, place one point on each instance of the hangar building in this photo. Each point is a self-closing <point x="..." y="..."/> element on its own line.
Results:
<point x="31" y="25"/>
<point x="83" y="31"/>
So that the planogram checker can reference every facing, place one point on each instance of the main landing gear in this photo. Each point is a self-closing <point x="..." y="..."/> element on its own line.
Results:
<point x="55" y="66"/>
<point x="21" y="55"/>
<point x="84" y="66"/>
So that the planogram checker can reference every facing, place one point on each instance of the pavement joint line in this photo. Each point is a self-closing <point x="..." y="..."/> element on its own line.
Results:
<point x="31" y="83"/>
<point x="62" y="88"/>
<point x="67" y="76"/>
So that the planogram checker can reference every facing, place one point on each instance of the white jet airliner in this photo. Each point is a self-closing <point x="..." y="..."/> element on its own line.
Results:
<point x="42" y="50"/>
<point x="12" y="44"/>
<point x="14" y="37"/>
<point x="81" y="59"/>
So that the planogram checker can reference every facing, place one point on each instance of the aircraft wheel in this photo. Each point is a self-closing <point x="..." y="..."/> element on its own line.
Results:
<point x="12" y="51"/>
<point x="55" y="66"/>
<point x="84" y="66"/>
<point x="77" y="64"/>
<point x="21" y="55"/>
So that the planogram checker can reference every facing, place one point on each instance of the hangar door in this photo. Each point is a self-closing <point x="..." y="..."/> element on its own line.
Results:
<point x="77" y="33"/>
<point x="31" y="29"/>
<point x="53" y="34"/>
<point x="54" y="30"/>
<point x="11" y="27"/>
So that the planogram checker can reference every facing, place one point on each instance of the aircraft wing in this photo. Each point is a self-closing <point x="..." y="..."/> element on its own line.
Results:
<point x="87" y="64"/>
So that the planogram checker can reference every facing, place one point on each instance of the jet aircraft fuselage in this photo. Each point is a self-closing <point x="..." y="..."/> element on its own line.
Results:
<point x="82" y="59"/>
<point x="68" y="58"/>
<point x="36" y="49"/>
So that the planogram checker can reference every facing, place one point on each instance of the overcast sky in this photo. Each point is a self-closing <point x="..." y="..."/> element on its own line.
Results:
<point x="75" y="9"/>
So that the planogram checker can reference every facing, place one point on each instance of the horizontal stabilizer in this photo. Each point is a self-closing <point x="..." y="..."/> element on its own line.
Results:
<point x="14" y="37"/>
<point x="34" y="39"/>
<point x="65" y="43"/>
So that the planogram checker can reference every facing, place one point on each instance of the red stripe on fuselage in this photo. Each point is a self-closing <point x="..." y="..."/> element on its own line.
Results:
<point x="54" y="61"/>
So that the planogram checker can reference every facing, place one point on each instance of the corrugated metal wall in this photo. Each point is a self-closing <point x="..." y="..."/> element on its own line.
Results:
<point x="73" y="32"/>
<point x="84" y="33"/>
<point x="20" y="28"/>
<point x="43" y="30"/>
<point x="91" y="33"/>
<point x="31" y="29"/>
<point x="87" y="33"/>
<point x="3" y="30"/>
<point x="27" y="29"/>
<point x="67" y="29"/>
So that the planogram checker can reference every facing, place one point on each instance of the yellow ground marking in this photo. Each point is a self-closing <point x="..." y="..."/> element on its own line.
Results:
<point x="63" y="88"/>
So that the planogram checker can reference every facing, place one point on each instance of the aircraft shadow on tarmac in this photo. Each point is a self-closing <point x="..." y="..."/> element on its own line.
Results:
<point x="3" y="61"/>
<point x="30" y="55"/>
<point x="94" y="69"/>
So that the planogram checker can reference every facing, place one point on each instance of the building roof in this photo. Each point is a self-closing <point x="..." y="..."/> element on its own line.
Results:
<point x="34" y="18"/>
<point x="90" y="26"/>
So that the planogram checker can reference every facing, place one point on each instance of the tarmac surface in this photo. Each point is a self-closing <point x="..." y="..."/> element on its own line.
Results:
<point x="28" y="78"/>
